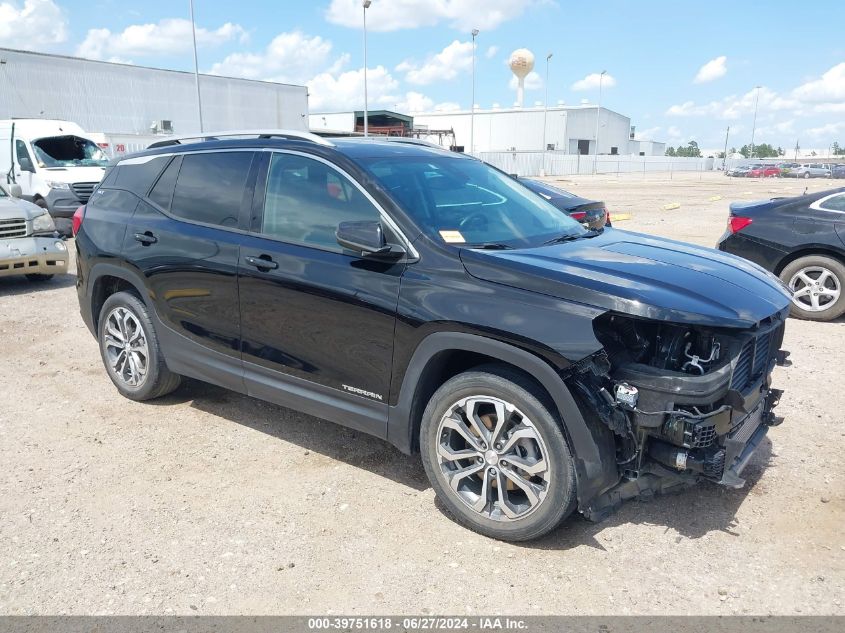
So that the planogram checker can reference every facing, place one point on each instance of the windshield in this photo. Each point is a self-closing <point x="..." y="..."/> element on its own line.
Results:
<point x="462" y="201"/>
<point x="68" y="151"/>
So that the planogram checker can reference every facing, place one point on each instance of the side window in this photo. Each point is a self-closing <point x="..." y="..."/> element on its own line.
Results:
<point x="114" y="200"/>
<point x="162" y="193"/>
<point x="139" y="177"/>
<point x="836" y="203"/>
<point x="21" y="151"/>
<point x="210" y="187"/>
<point x="306" y="200"/>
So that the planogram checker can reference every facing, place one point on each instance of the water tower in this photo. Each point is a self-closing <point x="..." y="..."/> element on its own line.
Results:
<point x="521" y="63"/>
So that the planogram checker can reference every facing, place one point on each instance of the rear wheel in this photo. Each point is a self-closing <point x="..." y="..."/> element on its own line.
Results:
<point x="130" y="350"/>
<point x="816" y="283"/>
<point x="496" y="456"/>
<point x="806" y="174"/>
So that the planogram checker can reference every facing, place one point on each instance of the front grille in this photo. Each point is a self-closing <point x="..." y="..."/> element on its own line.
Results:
<point x="16" y="227"/>
<point x="83" y="190"/>
<point x="754" y="358"/>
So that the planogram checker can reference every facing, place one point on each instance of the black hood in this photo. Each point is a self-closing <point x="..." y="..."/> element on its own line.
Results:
<point x="642" y="276"/>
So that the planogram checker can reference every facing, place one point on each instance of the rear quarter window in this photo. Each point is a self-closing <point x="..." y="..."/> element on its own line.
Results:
<point x="139" y="177"/>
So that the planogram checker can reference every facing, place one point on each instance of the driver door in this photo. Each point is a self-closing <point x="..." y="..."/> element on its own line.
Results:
<point x="24" y="176"/>
<point x="316" y="320"/>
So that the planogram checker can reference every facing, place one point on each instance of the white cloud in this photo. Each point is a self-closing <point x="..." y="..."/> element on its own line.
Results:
<point x="443" y="66"/>
<point x="734" y="107"/>
<point x="648" y="133"/>
<point x="673" y="133"/>
<point x="414" y="102"/>
<point x="491" y="52"/>
<point x="293" y="57"/>
<point x="170" y="36"/>
<point x="826" y="132"/>
<point x="33" y="24"/>
<point x="591" y="82"/>
<point x="533" y="81"/>
<point x="447" y="106"/>
<point x="346" y="91"/>
<point x="830" y="88"/>
<point x="394" y="15"/>
<point x="712" y="70"/>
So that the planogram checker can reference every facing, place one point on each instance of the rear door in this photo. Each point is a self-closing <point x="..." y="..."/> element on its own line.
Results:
<point x="317" y="321"/>
<point x="185" y="238"/>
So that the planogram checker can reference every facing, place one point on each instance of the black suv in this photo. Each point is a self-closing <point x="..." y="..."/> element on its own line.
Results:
<point x="429" y="299"/>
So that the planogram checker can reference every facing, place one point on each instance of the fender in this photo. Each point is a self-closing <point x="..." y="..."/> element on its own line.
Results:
<point x="104" y="269"/>
<point x="595" y="465"/>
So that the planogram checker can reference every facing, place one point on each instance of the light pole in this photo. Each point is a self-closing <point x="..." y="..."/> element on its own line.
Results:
<point x="196" y="65"/>
<point x="754" y="124"/>
<point x="366" y="4"/>
<point x="725" y="155"/>
<point x="472" y="105"/>
<point x="546" y="112"/>
<point x="598" y="118"/>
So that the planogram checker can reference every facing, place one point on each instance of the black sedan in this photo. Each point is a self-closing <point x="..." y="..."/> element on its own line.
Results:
<point x="802" y="241"/>
<point x="590" y="213"/>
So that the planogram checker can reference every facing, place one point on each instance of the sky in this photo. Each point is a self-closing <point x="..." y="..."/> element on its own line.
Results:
<point x="681" y="70"/>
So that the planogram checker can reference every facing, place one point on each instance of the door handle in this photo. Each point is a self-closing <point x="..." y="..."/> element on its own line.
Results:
<point x="262" y="263"/>
<point x="146" y="238"/>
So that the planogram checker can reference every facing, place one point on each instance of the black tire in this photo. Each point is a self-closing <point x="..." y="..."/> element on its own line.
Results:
<point x="835" y="268"/>
<point x="41" y="203"/>
<point x="806" y="174"/>
<point x="503" y="383"/>
<point x="159" y="380"/>
<point x="39" y="277"/>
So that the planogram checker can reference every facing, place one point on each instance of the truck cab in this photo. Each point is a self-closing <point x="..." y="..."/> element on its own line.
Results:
<point x="55" y="163"/>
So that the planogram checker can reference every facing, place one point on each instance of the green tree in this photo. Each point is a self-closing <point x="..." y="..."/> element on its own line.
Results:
<point x="670" y="151"/>
<point x="837" y="150"/>
<point x="762" y="150"/>
<point x="691" y="150"/>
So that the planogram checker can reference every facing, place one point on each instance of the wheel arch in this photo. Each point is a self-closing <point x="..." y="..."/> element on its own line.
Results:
<point x="810" y="251"/>
<point x="444" y="354"/>
<point x="107" y="279"/>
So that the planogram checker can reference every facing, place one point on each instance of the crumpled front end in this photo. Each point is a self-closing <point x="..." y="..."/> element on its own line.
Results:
<point x="684" y="402"/>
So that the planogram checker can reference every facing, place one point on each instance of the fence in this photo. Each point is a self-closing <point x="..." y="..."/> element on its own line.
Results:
<point x="559" y="164"/>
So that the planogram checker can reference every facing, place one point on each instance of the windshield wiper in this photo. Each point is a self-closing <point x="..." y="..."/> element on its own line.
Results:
<point x="570" y="237"/>
<point x="491" y="246"/>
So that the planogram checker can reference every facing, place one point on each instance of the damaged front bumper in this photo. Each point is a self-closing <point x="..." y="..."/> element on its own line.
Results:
<point x="675" y="428"/>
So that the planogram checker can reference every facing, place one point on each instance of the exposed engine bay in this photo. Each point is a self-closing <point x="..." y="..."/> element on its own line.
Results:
<point x="683" y="402"/>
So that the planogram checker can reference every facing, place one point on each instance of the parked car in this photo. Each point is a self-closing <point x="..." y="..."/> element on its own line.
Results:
<point x="811" y="170"/>
<point x="799" y="239"/>
<point x="55" y="163"/>
<point x="590" y="213"/>
<point x="739" y="171"/>
<point x="429" y="299"/>
<point x="763" y="171"/>
<point x="29" y="244"/>
<point x="786" y="168"/>
<point x="837" y="171"/>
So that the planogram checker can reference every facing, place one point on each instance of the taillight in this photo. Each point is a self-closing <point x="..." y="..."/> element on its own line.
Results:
<point x="737" y="223"/>
<point x="578" y="215"/>
<point x="78" y="215"/>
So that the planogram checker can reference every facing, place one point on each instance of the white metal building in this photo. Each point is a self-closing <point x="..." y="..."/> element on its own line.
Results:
<point x="569" y="129"/>
<point x="123" y="99"/>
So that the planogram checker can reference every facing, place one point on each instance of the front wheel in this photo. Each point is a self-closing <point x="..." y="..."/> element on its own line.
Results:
<point x="496" y="455"/>
<point x="806" y="174"/>
<point x="816" y="285"/>
<point x="130" y="350"/>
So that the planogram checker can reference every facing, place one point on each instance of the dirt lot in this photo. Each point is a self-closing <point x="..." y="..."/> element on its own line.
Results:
<point x="209" y="502"/>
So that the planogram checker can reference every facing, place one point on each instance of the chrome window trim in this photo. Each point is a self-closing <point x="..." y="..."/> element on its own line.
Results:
<point x="817" y="205"/>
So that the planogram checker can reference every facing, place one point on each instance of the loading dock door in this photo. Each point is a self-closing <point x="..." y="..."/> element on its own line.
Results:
<point x="583" y="147"/>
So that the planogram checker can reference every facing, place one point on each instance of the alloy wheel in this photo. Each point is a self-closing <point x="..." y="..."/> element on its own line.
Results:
<point x="815" y="288"/>
<point x="493" y="458"/>
<point x="126" y="347"/>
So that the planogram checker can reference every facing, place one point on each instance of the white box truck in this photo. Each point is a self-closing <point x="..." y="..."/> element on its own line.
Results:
<point x="56" y="164"/>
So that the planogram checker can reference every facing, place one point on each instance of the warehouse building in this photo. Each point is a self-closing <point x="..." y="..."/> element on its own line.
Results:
<point x="123" y="99"/>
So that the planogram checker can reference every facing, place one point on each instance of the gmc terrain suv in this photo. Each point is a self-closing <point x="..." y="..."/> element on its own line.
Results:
<point x="429" y="299"/>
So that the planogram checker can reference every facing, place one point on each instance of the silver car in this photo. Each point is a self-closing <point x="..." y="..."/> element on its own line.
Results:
<point x="29" y="243"/>
<point x="811" y="170"/>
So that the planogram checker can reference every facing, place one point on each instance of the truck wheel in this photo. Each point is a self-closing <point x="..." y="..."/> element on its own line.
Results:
<point x="130" y="350"/>
<point x="816" y="283"/>
<point x="37" y="277"/>
<point x="496" y="456"/>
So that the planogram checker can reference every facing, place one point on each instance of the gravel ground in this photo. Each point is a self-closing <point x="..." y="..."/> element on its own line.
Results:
<point x="208" y="502"/>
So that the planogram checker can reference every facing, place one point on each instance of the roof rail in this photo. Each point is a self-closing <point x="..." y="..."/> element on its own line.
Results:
<point x="409" y="140"/>
<point x="216" y="136"/>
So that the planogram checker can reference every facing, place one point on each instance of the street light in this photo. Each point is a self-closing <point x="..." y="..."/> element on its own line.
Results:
<point x="196" y="65"/>
<point x="598" y="117"/>
<point x="546" y="111"/>
<point x="754" y="124"/>
<point x="472" y="105"/>
<point x="366" y="4"/>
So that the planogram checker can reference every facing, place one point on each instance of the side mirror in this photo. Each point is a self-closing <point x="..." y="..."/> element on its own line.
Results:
<point x="26" y="164"/>
<point x="366" y="237"/>
<point x="15" y="190"/>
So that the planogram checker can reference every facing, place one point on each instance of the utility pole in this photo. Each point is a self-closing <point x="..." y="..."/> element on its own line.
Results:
<point x="196" y="65"/>
<point x="598" y="118"/>
<point x="725" y="156"/>
<point x="796" y="149"/>
<point x="546" y="112"/>
<point x="366" y="5"/>
<point x="754" y="124"/>
<point x="472" y="105"/>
